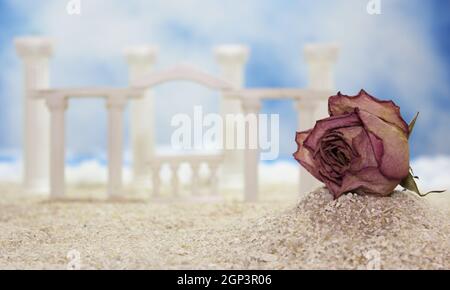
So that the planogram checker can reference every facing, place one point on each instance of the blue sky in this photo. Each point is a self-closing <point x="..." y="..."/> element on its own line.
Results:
<point x="403" y="54"/>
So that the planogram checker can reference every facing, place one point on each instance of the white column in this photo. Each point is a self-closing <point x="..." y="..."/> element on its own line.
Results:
<point x="306" y="120"/>
<point x="251" y="156"/>
<point x="35" y="54"/>
<point x="57" y="105"/>
<point x="140" y="61"/>
<point x="321" y="60"/>
<point x="232" y="60"/>
<point x="115" y="106"/>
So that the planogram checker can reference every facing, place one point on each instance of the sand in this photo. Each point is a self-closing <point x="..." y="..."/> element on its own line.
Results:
<point x="354" y="232"/>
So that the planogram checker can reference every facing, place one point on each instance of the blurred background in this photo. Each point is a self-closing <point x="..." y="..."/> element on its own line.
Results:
<point x="402" y="54"/>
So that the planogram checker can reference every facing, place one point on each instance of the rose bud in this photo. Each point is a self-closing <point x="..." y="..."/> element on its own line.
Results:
<point x="362" y="147"/>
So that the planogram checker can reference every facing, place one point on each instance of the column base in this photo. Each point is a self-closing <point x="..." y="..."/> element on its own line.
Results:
<point x="232" y="182"/>
<point x="37" y="187"/>
<point x="141" y="184"/>
<point x="115" y="194"/>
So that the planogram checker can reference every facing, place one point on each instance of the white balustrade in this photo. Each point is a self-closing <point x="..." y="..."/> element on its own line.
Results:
<point x="141" y="60"/>
<point x="194" y="162"/>
<point x="35" y="54"/>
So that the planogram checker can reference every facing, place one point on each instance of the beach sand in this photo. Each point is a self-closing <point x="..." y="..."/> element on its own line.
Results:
<point x="354" y="232"/>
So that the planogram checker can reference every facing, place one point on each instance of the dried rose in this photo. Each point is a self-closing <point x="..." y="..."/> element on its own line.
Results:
<point x="362" y="147"/>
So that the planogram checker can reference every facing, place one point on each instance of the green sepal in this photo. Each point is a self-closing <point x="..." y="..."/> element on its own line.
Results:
<point x="409" y="182"/>
<point x="412" y="124"/>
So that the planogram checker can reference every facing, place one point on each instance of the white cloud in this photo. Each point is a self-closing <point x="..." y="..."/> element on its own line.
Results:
<point x="10" y="172"/>
<point x="279" y="178"/>
<point x="434" y="172"/>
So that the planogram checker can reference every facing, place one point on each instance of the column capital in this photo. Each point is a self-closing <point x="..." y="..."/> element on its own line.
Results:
<point x="116" y="102"/>
<point x="56" y="102"/>
<point x="321" y="52"/>
<point x="232" y="53"/>
<point x="34" y="47"/>
<point x="139" y="55"/>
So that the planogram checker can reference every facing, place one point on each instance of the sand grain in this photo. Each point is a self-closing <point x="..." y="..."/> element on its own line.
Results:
<point x="316" y="233"/>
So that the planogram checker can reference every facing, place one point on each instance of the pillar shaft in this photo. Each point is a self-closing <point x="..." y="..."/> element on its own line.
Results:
<point x="306" y="119"/>
<point x="321" y="60"/>
<point x="57" y="105"/>
<point x="140" y="61"/>
<point x="251" y="156"/>
<point x="232" y="60"/>
<point x="35" y="54"/>
<point x="115" y="106"/>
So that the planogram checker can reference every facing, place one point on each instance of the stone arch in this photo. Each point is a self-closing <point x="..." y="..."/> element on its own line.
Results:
<point x="184" y="72"/>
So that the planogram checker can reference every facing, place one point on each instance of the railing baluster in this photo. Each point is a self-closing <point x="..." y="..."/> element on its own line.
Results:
<point x="156" y="180"/>
<point x="213" y="177"/>
<point x="175" y="180"/>
<point x="195" y="166"/>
